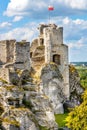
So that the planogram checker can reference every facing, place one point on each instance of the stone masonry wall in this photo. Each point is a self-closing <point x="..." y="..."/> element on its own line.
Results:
<point x="22" y="55"/>
<point x="7" y="51"/>
<point x="13" y="55"/>
<point x="10" y="45"/>
<point x="3" y="52"/>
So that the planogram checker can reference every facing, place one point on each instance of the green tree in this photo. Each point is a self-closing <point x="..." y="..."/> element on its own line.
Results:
<point x="77" y="119"/>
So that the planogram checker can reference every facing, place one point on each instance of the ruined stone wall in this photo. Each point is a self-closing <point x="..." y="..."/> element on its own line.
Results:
<point x="4" y="74"/>
<point x="13" y="55"/>
<point x="22" y="55"/>
<point x="56" y="35"/>
<point x="7" y="51"/>
<point x="53" y="37"/>
<point x="64" y="69"/>
<point x="3" y="52"/>
<point x="10" y="45"/>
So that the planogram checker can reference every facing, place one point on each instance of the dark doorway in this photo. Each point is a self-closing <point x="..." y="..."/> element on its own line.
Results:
<point x="56" y="59"/>
<point x="31" y="54"/>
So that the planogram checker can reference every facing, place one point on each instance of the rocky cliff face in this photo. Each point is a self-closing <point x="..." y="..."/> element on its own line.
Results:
<point x="31" y="103"/>
<point x="25" y="107"/>
<point x="76" y="89"/>
<point x="52" y="86"/>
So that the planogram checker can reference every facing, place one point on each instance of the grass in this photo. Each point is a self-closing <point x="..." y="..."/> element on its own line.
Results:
<point x="60" y="119"/>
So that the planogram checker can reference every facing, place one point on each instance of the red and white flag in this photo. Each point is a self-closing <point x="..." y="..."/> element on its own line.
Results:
<point x="50" y="8"/>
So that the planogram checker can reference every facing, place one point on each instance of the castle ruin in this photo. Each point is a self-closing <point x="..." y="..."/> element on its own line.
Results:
<point x="48" y="47"/>
<point x="13" y="55"/>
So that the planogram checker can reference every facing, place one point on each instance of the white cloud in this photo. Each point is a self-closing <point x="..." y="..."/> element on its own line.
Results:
<point x="32" y="7"/>
<point x="5" y="25"/>
<point x="23" y="33"/>
<point x="76" y="44"/>
<point x="76" y="4"/>
<point x="17" y="18"/>
<point x="23" y="7"/>
<point x="73" y="29"/>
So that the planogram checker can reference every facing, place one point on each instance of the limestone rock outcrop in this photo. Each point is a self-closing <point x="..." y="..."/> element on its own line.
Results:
<point x="19" y="119"/>
<point x="76" y="89"/>
<point x="52" y="86"/>
<point x="41" y="107"/>
<point x="25" y="107"/>
<point x="74" y="81"/>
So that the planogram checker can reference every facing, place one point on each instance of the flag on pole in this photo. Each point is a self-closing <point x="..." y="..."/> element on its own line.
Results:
<point x="50" y="8"/>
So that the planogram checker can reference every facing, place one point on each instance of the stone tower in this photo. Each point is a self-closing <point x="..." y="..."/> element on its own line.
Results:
<point x="51" y="37"/>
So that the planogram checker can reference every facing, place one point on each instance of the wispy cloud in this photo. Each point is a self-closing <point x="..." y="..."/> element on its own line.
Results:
<point x="5" y="25"/>
<point x="28" y="32"/>
<point x="17" y="18"/>
<point x="32" y="8"/>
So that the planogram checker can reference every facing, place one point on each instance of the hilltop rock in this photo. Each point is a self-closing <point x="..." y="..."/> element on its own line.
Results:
<point x="19" y="119"/>
<point x="41" y="107"/>
<point x="25" y="108"/>
<point x="74" y="81"/>
<point x="75" y="87"/>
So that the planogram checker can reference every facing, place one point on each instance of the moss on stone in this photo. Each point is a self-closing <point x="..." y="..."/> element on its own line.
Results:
<point x="9" y="88"/>
<point x="1" y="109"/>
<point x="72" y="68"/>
<point x="11" y="121"/>
<point x="43" y="128"/>
<point x="40" y="47"/>
<point x="3" y="81"/>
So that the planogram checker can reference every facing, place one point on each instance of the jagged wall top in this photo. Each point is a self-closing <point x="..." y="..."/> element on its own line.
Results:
<point x="15" y="53"/>
<point x="51" y="31"/>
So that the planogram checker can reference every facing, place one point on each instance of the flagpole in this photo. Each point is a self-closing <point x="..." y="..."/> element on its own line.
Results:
<point x="50" y="8"/>
<point x="49" y="17"/>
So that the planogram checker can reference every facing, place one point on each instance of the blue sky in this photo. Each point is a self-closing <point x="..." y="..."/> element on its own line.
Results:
<point x="19" y="20"/>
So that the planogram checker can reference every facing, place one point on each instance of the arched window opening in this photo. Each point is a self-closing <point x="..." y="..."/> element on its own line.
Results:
<point x="56" y="59"/>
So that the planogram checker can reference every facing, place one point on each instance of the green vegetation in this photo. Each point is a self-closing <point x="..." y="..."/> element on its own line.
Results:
<point x="82" y="70"/>
<point x="77" y="119"/>
<point x="43" y="128"/>
<point x="1" y="109"/>
<point x="22" y="43"/>
<point x="27" y="103"/>
<point x="40" y="47"/>
<point x="9" y="88"/>
<point x="3" y="81"/>
<point x="12" y="122"/>
<point x="60" y="119"/>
